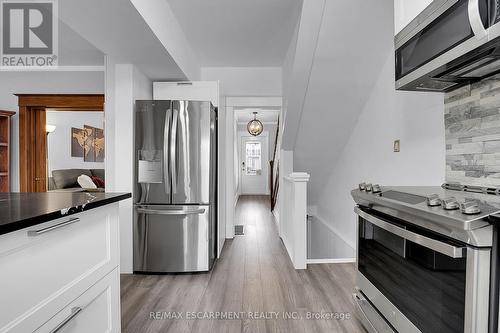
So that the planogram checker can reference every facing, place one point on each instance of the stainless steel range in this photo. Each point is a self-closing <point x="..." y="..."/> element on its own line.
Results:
<point x="427" y="258"/>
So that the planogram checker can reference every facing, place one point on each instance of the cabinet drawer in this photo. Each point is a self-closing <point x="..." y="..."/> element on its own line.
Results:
<point x="96" y="311"/>
<point x="42" y="272"/>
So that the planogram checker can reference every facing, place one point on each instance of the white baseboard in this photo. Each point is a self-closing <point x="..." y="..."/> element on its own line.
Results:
<point x="331" y="261"/>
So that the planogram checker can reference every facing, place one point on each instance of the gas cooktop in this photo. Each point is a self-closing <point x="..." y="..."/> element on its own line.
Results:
<point x="458" y="211"/>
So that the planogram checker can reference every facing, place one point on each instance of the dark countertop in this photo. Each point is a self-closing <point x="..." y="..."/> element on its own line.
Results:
<point x="23" y="210"/>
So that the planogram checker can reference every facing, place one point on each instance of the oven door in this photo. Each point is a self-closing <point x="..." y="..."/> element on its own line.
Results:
<point x="419" y="281"/>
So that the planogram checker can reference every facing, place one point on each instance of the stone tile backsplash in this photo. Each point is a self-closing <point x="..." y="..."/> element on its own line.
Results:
<point x="472" y="123"/>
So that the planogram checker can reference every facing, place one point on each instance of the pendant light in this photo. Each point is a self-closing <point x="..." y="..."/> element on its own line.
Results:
<point x="254" y="126"/>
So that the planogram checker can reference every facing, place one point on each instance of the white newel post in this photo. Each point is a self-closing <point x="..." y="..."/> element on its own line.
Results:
<point x="295" y="233"/>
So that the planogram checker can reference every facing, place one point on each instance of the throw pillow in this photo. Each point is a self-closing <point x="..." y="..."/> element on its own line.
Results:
<point x="98" y="181"/>
<point x="86" y="182"/>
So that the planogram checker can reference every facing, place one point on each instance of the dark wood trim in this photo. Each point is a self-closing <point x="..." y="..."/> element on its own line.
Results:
<point x="32" y="144"/>
<point x="5" y="149"/>
<point x="72" y="102"/>
<point x="24" y="137"/>
<point x="7" y="113"/>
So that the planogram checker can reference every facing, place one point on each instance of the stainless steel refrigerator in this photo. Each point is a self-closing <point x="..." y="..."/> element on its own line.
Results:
<point x="175" y="186"/>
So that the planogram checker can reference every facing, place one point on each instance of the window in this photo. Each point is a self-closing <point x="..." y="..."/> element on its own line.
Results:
<point x="253" y="158"/>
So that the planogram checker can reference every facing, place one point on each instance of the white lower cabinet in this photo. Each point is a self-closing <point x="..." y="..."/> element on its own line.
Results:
<point x="96" y="311"/>
<point x="50" y="268"/>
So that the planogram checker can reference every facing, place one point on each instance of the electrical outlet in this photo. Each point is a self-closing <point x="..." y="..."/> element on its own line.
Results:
<point x="397" y="146"/>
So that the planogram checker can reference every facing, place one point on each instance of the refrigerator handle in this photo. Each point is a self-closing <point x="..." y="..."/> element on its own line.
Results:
<point x="173" y="149"/>
<point x="166" y="135"/>
<point x="171" y="212"/>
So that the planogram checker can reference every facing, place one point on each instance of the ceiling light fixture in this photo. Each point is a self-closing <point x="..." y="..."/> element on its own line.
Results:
<point x="254" y="126"/>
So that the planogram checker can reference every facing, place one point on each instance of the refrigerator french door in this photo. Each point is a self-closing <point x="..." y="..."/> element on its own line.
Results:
<point x="175" y="186"/>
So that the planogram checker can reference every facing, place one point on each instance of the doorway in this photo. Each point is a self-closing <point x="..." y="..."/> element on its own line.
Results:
<point x="33" y="132"/>
<point x="254" y="164"/>
<point x="233" y="106"/>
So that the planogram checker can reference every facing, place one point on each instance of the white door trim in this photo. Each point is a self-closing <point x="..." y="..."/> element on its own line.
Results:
<point x="265" y="135"/>
<point x="232" y="103"/>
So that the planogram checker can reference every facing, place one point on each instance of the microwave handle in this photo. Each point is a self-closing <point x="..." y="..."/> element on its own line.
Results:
<point x="443" y="248"/>
<point x="475" y="20"/>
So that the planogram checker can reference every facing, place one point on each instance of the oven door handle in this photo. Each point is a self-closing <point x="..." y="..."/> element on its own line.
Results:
<point x="446" y="249"/>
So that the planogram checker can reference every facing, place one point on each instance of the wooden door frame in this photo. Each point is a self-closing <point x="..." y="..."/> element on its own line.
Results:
<point x="29" y="103"/>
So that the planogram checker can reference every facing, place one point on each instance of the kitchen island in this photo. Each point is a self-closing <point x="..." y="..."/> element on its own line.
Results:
<point x="59" y="262"/>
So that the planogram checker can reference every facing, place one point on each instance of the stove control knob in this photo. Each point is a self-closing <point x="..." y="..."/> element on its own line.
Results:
<point x="433" y="200"/>
<point x="368" y="187"/>
<point x="470" y="208"/>
<point x="362" y="186"/>
<point x="450" y="203"/>
<point x="376" y="188"/>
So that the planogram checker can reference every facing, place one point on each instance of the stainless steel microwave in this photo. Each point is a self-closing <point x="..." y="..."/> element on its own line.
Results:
<point x="450" y="44"/>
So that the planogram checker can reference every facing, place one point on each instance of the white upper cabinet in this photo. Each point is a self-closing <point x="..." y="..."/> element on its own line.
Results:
<point x="192" y="90"/>
<point x="406" y="10"/>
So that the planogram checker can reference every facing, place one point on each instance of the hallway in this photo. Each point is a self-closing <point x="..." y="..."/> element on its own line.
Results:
<point x="254" y="274"/>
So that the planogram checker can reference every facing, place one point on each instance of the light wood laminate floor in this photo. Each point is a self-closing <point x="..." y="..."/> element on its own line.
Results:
<point x="254" y="274"/>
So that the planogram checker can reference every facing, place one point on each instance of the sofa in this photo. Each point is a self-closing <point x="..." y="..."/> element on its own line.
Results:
<point x="65" y="180"/>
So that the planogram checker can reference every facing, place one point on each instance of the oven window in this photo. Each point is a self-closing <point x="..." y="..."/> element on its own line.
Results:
<point x="426" y="286"/>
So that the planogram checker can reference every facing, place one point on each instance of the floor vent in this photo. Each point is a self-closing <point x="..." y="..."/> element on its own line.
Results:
<point x="238" y="230"/>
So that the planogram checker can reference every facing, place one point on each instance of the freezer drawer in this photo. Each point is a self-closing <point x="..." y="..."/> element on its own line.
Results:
<point x="170" y="239"/>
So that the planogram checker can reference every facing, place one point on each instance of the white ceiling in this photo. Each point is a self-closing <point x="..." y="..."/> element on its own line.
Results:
<point x="118" y="30"/>
<point x="233" y="33"/>
<point x="74" y="50"/>
<point x="264" y="115"/>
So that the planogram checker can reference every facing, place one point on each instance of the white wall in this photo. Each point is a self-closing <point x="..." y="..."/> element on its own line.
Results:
<point x="417" y="119"/>
<point x="299" y="61"/>
<point x="124" y="84"/>
<point x="59" y="141"/>
<point x="245" y="81"/>
<point x="340" y="82"/>
<point x="406" y="10"/>
<point x="41" y="83"/>
<point x="352" y="114"/>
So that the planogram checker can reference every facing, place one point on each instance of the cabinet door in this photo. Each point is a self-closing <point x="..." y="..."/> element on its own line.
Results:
<point x="187" y="91"/>
<point x="96" y="311"/>
<point x="46" y="266"/>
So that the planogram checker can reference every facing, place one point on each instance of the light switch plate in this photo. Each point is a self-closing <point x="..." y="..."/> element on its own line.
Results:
<point x="397" y="146"/>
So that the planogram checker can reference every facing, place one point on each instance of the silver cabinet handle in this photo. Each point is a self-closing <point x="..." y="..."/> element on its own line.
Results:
<point x="475" y="19"/>
<point x="74" y="312"/>
<point x="446" y="249"/>
<point x="52" y="227"/>
<point x="170" y="212"/>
